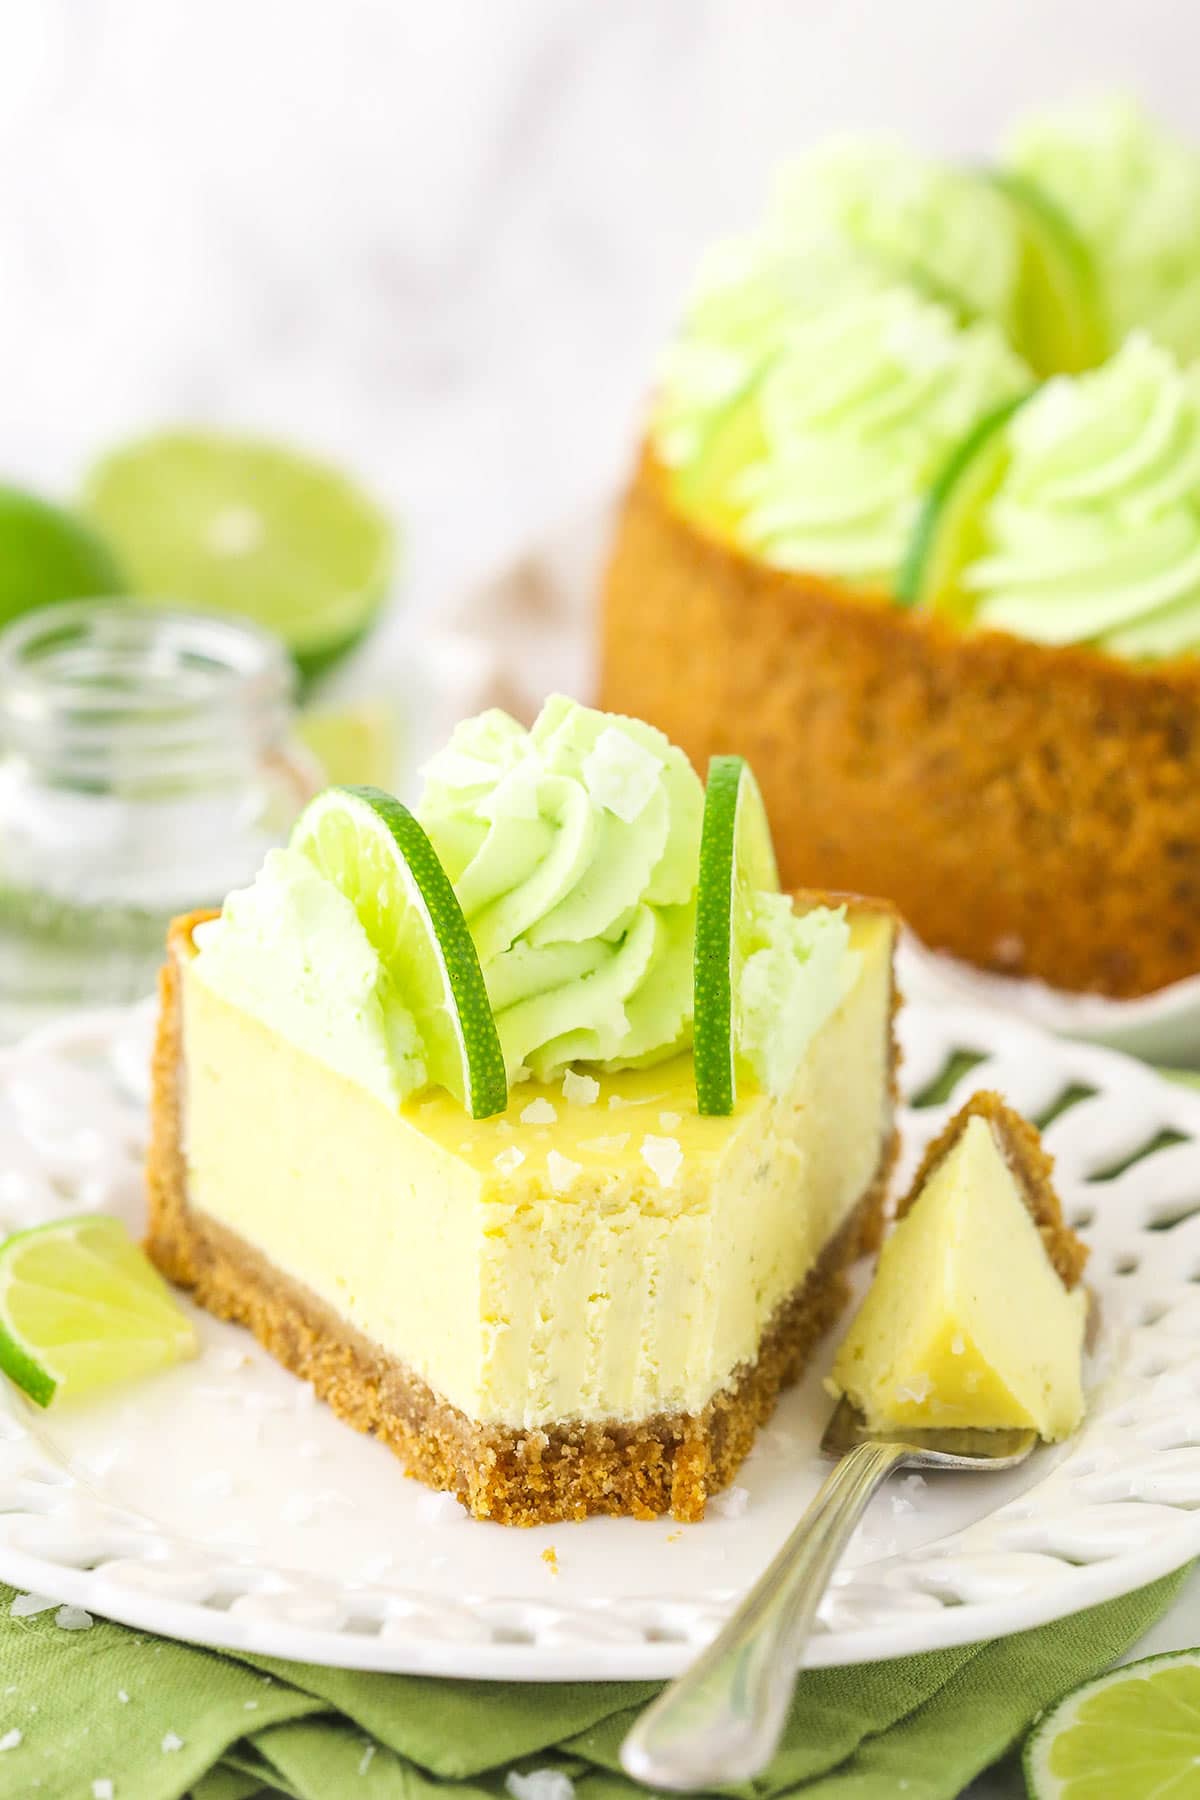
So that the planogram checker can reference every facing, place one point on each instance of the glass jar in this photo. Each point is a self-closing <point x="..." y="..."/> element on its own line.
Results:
<point x="146" y="765"/>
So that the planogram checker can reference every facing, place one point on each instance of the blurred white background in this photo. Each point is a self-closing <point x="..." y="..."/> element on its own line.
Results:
<point x="444" y="241"/>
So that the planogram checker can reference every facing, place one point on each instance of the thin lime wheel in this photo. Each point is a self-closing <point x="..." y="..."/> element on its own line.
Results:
<point x="949" y="532"/>
<point x="81" y="1308"/>
<point x="737" y="860"/>
<point x="707" y="486"/>
<point x="1133" y="1734"/>
<point x="239" y="525"/>
<point x="370" y="846"/>
<point x="1062" y="322"/>
<point x="47" y="554"/>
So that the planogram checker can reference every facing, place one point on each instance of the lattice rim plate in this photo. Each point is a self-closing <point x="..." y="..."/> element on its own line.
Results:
<point x="125" y="1509"/>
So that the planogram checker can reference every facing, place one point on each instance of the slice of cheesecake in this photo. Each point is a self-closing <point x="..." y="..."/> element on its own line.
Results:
<point x="586" y="1304"/>
<point x="976" y="1316"/>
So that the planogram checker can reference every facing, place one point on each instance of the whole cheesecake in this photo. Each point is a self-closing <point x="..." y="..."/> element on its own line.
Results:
<point x="916" y="526"/>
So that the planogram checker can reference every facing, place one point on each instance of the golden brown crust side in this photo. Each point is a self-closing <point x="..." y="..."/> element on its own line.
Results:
<point x="1033" y="1167"/>
<point x="668" y="1464"/>
<point x="1034" y="810"/>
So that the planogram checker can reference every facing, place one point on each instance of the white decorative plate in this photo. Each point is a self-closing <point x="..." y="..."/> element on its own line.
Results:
<point x="219" y="1503"/>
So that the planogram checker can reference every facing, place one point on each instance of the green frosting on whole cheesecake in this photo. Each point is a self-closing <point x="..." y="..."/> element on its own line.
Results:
<point x="1132" y="192"/>
<point x="940" y="227"/>
<point x="1093" y="535"/>
<point x="749" y="293"/>
<point x="842" y="434"/>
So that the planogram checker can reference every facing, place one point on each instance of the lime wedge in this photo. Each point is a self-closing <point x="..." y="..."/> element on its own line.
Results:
<point x="737" y="860"/>
<point x="236" y="525"/>
<point x="705" y="488"/>
<point x="1131" y="1735"/>
<point x="948" y="534"/>
<point x="46" y="554"/>
<point x="1061" y="316"/>
<point x="353" y="744"/>
<point x="370" y="846"/>
<point x="81" y="1308"/>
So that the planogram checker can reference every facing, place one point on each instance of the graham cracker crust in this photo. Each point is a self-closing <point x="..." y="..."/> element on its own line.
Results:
<point x="670" y="1463"/>
<point x="1031" y="1164"/>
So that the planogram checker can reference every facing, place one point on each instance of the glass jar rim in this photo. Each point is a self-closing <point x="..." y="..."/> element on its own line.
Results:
<point x="87" y="678"/>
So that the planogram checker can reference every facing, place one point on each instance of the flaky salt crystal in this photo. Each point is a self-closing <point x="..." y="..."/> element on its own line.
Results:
<point x="562" y="1171"/>
<point x="664" y="1157"/>
<point x="508" y="1160"/>
<point x="172" y="1741"/>
<point x="539" y="1784"/>
<point x="73" y="1618"/>
<point x="10" y="1740"/>
<point x="732" y="1503"/>
<point x="539" y="1112"/>
<point x="102" y="1788"/>
<point x="25" y="1606"/>
<point x="580" y="1090"/>
<point x="670" y="1121"/>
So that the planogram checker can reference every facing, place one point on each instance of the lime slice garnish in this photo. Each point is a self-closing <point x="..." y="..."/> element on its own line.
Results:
<point x="706" y="487"/>
<point x="1061" y="308"/>
<point x="370" y="846"/>
<point x="1132" y="1734"/>
<point x="46" y="554"/>
<point x="81" y="1308"/>
<point x="355" y="745"/>
<point x="948" y="534"/>
<point x="737" y="860"/>
<point x="236" y="525"/>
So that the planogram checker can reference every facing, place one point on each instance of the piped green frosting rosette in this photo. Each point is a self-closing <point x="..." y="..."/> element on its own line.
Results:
<point x="574" y="849"/>
<point x="1132" y="192"/>
<point x="1093" y="534"/>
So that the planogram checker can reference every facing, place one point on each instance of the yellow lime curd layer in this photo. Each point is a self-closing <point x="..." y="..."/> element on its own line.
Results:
<point x="601" y="1252"/>
<point x="967" y="1322"/>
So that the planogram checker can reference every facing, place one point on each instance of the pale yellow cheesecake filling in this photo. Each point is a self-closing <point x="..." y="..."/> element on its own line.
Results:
<point x="967" y="1323"/>
<point x="600" y="1251"/>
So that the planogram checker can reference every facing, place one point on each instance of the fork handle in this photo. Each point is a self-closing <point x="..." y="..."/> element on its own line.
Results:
<point x="721" y="1721"/>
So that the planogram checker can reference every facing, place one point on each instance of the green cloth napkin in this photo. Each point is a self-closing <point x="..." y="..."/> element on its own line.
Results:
<point x="161" y="1720"/>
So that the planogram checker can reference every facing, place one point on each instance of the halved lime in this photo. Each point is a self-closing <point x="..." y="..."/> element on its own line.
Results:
<point x="81" y="1308"/>
<point x="1061" y="314"/>
<point x="370" y="846"/>
<point x="948" y="534"/>
<point x="47" y="554"/>
<point x="238" y="525"/>
<point x="1129" y="1735"/>
<point x="737" y="860"/>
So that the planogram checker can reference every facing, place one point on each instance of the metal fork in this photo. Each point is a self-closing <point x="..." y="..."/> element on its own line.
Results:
<point x="722" y="1720"/>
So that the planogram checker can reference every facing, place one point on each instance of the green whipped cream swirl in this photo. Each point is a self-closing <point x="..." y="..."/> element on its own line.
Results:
<point x="940" y="227"/>
<point x="573" y="850"/>
<point x="1093" y="535"/>
<point x="857" y="411"/>
<point x="748" y="294"/>
<point x="291" y="951"/>
<point x="1132" y="191"/>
